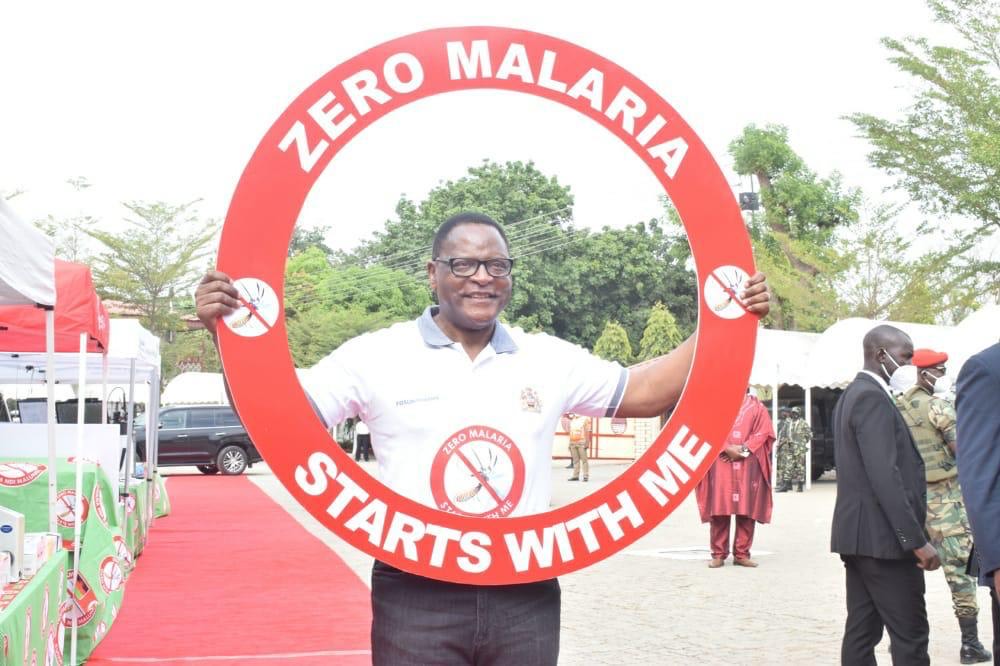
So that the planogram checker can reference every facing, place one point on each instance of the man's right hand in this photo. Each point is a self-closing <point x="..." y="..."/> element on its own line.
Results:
<point x="927" y="557"/>
<point x="215" y="297"/>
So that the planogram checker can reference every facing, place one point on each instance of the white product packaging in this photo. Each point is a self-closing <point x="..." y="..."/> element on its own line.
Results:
<point x="12" y="540"/>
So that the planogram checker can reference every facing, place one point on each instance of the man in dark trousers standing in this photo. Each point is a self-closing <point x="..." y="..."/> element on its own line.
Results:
<point x="979" y="468"/>
<point x="879" y="516"/>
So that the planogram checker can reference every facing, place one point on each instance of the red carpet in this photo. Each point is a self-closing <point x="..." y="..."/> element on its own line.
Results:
<point x="230" y="578"/>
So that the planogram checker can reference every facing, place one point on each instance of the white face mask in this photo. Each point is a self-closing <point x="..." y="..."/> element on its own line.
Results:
<point x="942" y="384"/>
<point x="902" y="378"/>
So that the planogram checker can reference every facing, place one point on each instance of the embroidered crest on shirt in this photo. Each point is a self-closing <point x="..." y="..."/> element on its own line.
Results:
<point x="529" y="400"/>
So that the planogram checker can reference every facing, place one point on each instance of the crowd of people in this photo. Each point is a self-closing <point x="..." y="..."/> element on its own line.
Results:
<point x="899" y="509"/>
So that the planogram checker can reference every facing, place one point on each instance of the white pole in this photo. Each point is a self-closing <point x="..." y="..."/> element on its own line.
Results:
<point x="50" y="407"/>
<point x="104" y="391"/>
<point x="78" y="498"/>
<point x="809" y="446"/>
<point x="129" y="442"/>
<point x="152" y="459"/>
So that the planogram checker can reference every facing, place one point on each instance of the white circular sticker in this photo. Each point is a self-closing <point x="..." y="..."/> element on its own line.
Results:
<point x="722" y="292"/>
<point x="258" y="310"/>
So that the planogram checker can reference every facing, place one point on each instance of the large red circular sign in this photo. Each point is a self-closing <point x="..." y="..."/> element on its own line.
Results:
<point x="258" y="364"/>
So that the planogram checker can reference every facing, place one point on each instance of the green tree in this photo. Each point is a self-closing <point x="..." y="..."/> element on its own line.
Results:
<point x="794" y="237"/>
<point x="884" y="280"/>
<point x="304" y="238"/>
<point x="306" y="272"/>
<point x="155" y="261"/>
<point x="318" y="331"/>
<point x="188" y="348"/>
<point x="70" y="234"/>
<point x="661" y="334"/>
<point x="534" y="209"/>
<point x="513" y="194"/>
<point x="619" y="274"/>
<point x="326" y="304"/>
<point x="945" y="149"/>
<point x="613" y="344"/>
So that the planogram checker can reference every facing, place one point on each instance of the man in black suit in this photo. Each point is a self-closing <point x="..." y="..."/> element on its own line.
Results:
<point x="878" y="520"/>
<point x="978" y="402"/>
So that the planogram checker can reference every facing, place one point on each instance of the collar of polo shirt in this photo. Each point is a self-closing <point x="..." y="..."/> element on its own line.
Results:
<point x="432" y="334"/>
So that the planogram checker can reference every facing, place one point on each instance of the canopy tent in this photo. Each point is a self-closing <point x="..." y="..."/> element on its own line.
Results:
<point x="976" y="332"/>
<point x="780" y="358"/>
<point x="196" y="388"/>
<point x="129" y="342"/>
<point x="26" y="271"/>
<point x="78" y="309"/>
<point x="132" y="354"/>
<point x="27" y="278"/>
<point x="837" y="356"/>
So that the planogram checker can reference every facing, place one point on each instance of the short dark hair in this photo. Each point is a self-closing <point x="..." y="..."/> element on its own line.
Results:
<point x="466" y="217"/>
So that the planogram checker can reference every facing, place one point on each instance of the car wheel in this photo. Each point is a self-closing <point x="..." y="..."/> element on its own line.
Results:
<point x="208" y="469"/>
<point x="232" y="459"/>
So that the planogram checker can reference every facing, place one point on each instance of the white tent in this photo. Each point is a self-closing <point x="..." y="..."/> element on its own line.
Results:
<point x="28" y="277"/>
<point x="976" y="332"/>
<point x="196" y="388"/>
<point x="27" y="272"/>
<point x="129" y="342"/>
<point x="837" y="356"/>
<point x="781" y="358"/>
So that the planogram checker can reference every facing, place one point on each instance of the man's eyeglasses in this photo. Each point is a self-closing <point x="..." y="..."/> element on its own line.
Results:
<point x="465" y="267"/>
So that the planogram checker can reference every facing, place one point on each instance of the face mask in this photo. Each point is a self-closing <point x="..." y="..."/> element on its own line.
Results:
<point x="942" y="384"/>
<point x="902" y="377"/>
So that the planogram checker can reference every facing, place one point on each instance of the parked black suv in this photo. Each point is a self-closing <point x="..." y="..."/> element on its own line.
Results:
<point x="209" y="437"/>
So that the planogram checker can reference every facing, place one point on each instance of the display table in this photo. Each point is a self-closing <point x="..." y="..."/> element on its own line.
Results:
<point x="105" y="556"/>
<point x="161" y="501"/>
<point x="30" y="631"/>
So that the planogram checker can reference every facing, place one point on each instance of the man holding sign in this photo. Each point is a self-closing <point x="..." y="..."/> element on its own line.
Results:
<point x="462" y="410"/>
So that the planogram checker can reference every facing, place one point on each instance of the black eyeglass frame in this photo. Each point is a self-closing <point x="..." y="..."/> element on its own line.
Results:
<point x="479" y="262"/>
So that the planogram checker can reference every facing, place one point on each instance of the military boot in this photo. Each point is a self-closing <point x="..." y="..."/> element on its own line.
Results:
<point x="798" y="488"/>
<point x="972" y="651"/>
<point x="783" y="487"/>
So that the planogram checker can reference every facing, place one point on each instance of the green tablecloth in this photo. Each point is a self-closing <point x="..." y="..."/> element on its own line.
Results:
<point x="30" y="631"/>
<point x="136" y="516"/>
<point x="161" y="501"/>
<point x="105" y="555"/>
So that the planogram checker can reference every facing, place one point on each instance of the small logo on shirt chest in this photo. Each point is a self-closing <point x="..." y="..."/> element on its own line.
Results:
<point x="530" y="402"/>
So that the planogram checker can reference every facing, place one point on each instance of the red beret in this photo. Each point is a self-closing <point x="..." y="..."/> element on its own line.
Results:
<point x="928" y="358"/>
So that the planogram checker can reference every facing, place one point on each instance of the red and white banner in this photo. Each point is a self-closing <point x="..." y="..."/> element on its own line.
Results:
<point x="453" y="545"/>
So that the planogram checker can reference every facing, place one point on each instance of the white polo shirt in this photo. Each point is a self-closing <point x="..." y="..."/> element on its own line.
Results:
<point x="467" y="436"/>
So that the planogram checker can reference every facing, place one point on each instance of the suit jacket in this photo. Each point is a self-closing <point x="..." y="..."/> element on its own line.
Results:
<point x="881" y="488"/>
<point x="978" y="408"/>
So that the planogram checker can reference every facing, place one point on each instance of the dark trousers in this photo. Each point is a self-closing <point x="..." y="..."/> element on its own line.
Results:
<point x="364" y="447"/>
<point x="719" y="536"/>
<point x="996" y="625"/>
<point x="884" y="594"/>
<point x="418" y="621"/>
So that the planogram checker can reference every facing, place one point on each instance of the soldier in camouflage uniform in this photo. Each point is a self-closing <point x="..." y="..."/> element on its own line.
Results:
<point x="931" y="419"/>
<point x="781" y="435"/>
<point x="792" y="452"/>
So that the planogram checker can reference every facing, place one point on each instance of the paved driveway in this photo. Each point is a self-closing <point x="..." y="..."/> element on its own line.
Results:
<point x="639" y="607"/>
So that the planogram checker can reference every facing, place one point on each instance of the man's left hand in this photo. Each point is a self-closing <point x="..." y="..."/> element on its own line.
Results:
<point x="756" y="295"/>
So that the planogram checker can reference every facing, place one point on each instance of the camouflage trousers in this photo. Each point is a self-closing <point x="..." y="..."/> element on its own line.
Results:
<point x="791" y="463"/>
<point x="948" y="528"/>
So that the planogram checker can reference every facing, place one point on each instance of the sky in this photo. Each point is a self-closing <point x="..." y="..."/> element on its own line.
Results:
<point x="167" y="101"/>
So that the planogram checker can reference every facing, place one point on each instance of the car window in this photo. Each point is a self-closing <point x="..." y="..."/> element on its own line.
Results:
<point x="173" y="419"/>
<point x="226" y="417"/>
<point x="201" y="418"/>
